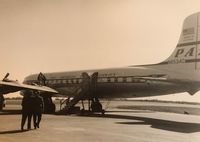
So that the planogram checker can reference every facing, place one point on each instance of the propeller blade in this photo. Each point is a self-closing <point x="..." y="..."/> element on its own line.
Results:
<point x="6" y="76"/>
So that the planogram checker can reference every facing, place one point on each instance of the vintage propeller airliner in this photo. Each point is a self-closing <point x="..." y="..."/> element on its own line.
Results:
<point x="178" y="73"/>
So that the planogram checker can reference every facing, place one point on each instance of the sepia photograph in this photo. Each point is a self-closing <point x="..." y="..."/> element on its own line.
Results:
<point x="99" y="70"/>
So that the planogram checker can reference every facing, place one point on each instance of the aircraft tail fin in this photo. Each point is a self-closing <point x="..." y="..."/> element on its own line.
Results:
<point x="188" y="47"/>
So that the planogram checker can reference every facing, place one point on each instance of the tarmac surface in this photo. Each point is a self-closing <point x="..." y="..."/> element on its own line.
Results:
<point x="133" y="124"/>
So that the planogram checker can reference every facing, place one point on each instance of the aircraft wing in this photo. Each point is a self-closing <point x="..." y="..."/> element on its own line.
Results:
<point x="14" y="86"/>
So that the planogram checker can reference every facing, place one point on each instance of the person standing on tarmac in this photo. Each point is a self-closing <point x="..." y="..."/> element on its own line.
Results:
<point x="2" y="102"/>
<point x="38" y="109"/>
<point x="26" y="112"/>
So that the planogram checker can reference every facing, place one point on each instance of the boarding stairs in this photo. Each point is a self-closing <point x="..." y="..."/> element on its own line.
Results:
<point x="80" y="93"/>
<point x="71" y="102"/>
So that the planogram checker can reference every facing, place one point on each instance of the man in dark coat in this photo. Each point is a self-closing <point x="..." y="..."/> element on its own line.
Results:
<point x="26" y="112"/>
<point x="38" y="109"/>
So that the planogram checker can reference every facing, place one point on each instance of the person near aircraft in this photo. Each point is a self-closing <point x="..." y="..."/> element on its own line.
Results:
<point x="26" y="112"/>
<point x="38" y="110"/>
<point x="2" y="104"/>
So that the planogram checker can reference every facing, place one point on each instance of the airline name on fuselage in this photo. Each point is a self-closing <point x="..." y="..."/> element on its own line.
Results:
<point x="184" y="53"/>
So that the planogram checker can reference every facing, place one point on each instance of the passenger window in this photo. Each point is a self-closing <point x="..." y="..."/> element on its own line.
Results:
<point x="49" y="82"/>
<point x="79" y="80"/>
<point x="104" y="80"/>
<point x="75" y="81"/>
<point x="99" y="80"/>
<point x="54" y="82"/>
<point x="58" y="81"/>
<point x="120" y="79"/>
<point x="112" y="79"/>
<point x="64" y="81"/>
<point x="124" y="79"/>
<point x="128" y="79"/>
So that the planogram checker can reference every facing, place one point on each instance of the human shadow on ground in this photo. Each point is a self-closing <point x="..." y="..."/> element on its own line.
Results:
<point x="172" y="109"/>
<point x="10" y="112"/>
<point x="12" y="132"/>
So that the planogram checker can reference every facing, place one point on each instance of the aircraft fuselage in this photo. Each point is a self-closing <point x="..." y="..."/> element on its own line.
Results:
<point x="120" y="82"/>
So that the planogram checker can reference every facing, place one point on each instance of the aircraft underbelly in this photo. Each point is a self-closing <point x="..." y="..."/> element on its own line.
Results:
<point x="129" y="90"/>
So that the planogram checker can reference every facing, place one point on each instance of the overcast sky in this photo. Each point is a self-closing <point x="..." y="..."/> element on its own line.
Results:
<point x="64" y="35"/>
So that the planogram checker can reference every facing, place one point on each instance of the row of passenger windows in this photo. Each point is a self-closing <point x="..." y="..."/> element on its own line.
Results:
<point x="120" y="79"/>
<point x="100" y="80"/>
<point x="69" y="81"/>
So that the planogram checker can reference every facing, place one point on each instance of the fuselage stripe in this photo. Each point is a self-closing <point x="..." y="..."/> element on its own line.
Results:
<point x="76" y="81"/>
<point x="185" y="61"/>
<point x="188" y="43"/>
